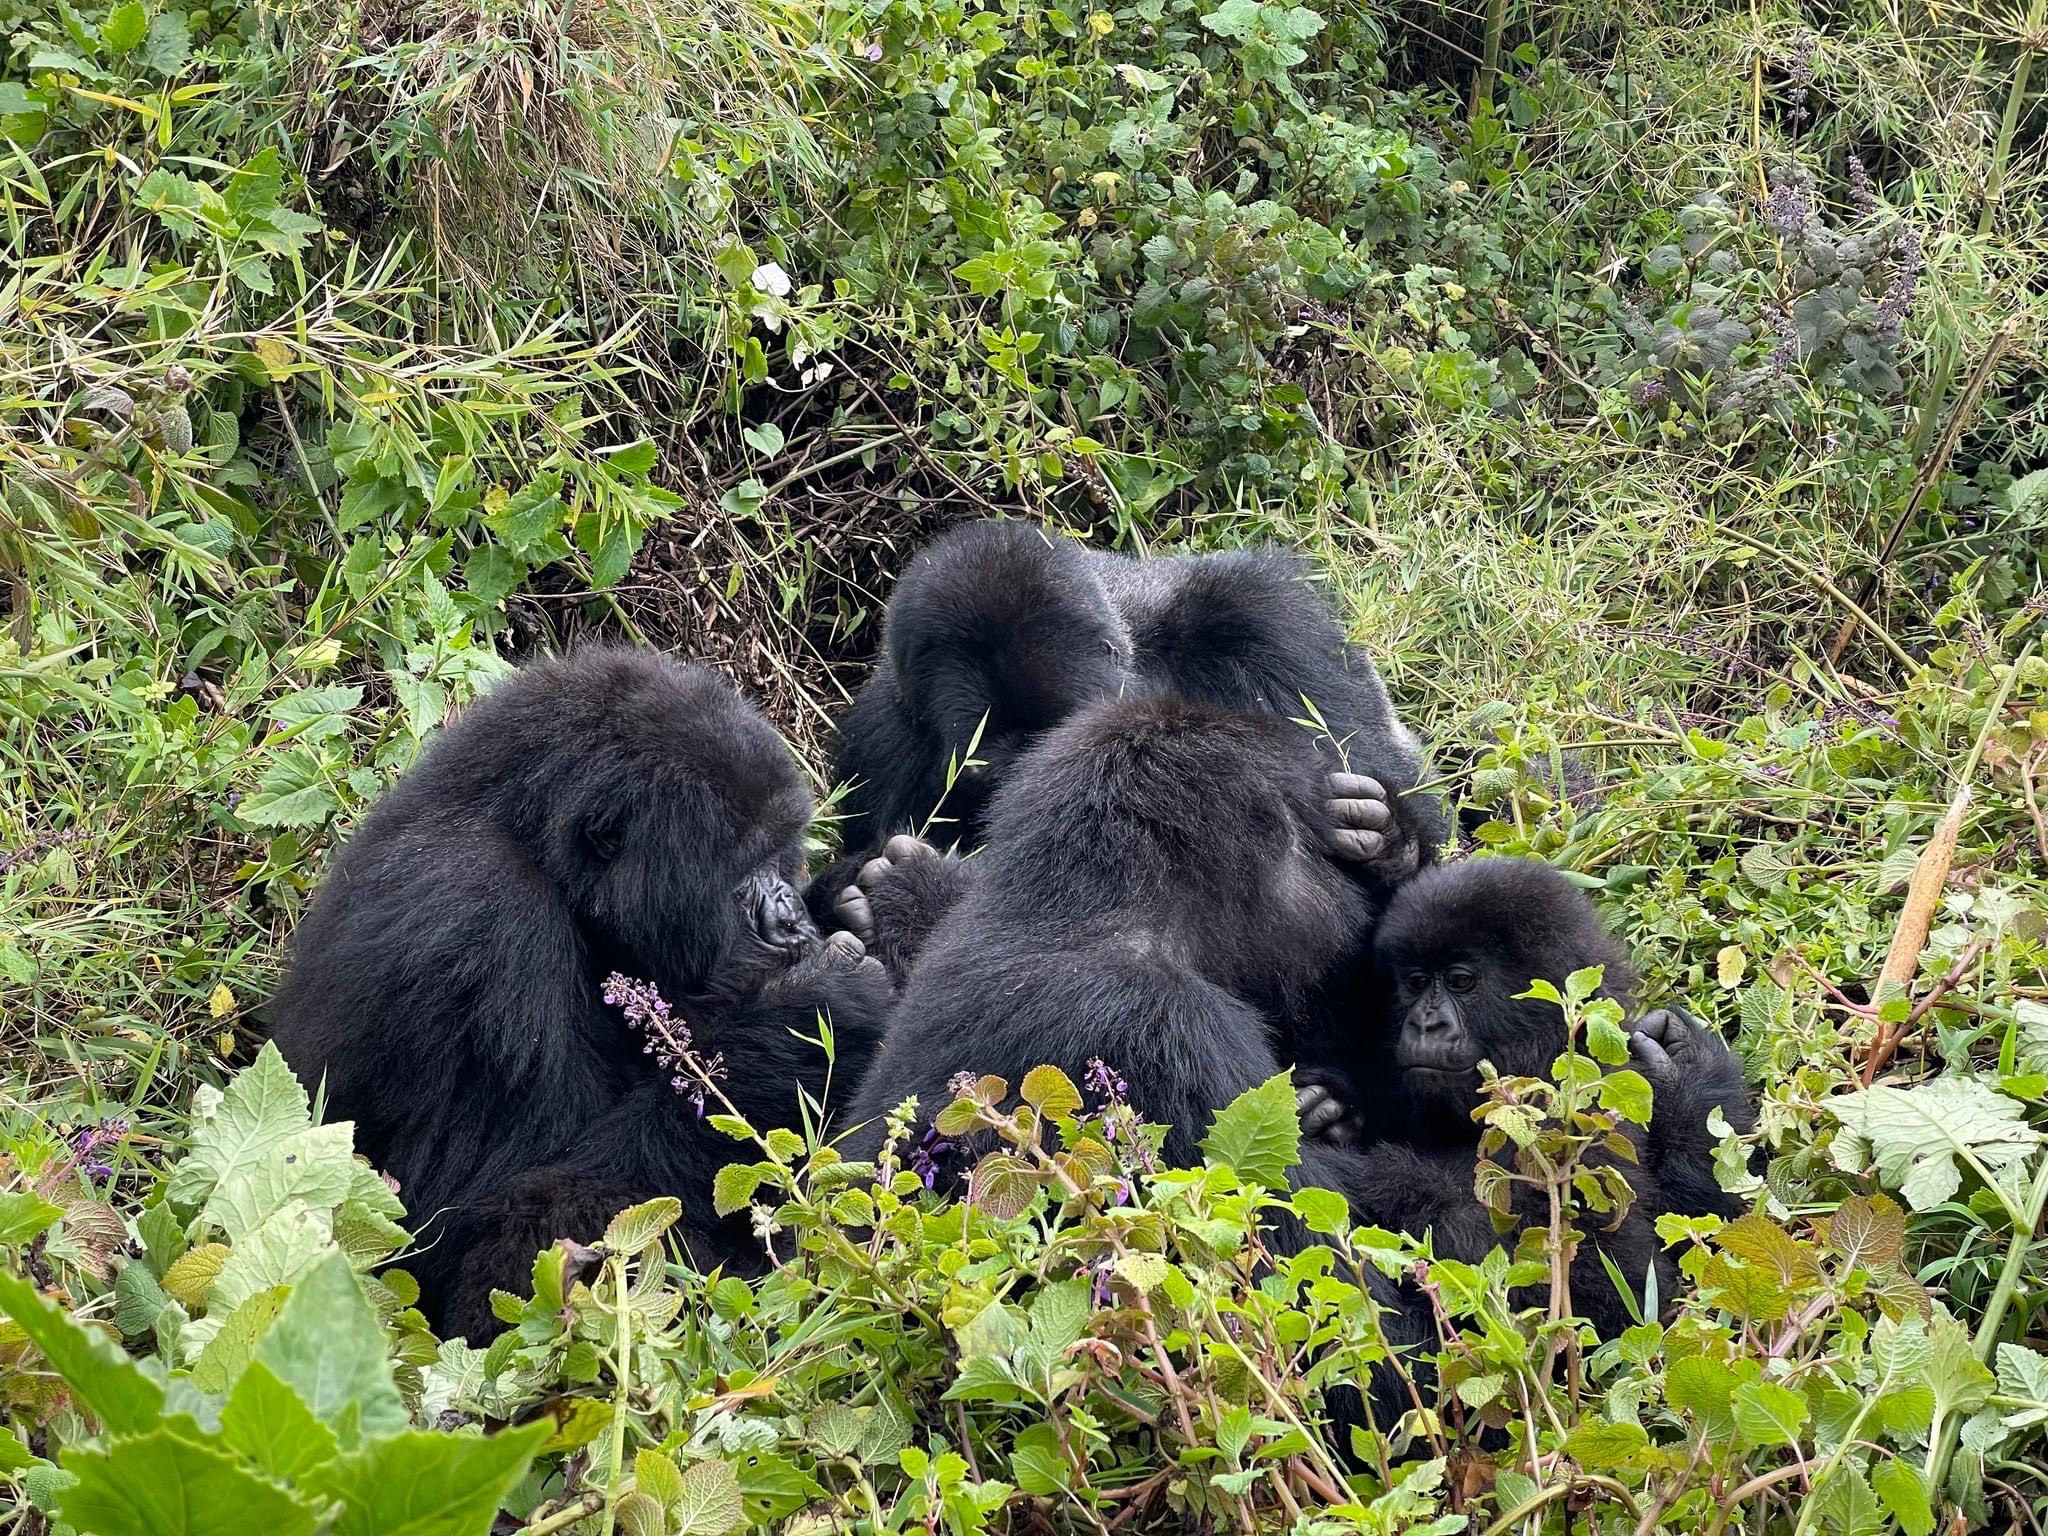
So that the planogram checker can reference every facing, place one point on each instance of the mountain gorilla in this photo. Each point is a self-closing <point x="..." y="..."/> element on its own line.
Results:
<point x="1454" y="947"/>
<point x="999" y="631"/>
<point x="614" y="811"/>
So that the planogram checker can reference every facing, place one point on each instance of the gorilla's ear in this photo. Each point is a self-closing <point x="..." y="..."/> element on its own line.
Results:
<point x="604" y="833"/>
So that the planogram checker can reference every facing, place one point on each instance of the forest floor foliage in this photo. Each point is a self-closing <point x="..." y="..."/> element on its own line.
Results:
<point x="1659" y="387"/>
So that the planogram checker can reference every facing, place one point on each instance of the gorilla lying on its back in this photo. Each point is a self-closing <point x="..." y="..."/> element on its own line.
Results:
<point x="1004" y="630"/>
<point x="614" y="811"/>
<point x="1454" y="948"/>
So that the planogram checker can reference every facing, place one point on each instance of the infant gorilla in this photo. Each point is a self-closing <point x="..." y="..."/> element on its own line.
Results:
<point x="1452" y="951"/>
<point x="614" y="811"/>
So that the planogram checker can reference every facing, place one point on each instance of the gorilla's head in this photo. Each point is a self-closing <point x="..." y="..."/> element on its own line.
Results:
<point x="1456" y="945"/>
<point x="1197" y="830"/>
<point x="997" y="633"/>
<point x="666" y="812"/>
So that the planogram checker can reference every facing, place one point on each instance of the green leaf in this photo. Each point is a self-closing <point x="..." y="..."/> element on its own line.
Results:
<point x="491" y="574"/>
<point x="1050" y="1091"/>
<point x="293" y="792"/>
<point x="765" y="439"/>
<point x="1003" y="1185"/>
<point x="1843" y="1505"/>
<point x="253" y="188"/>
<point x="530" y="515"/>
<point x="1322" y="1210"/>
<point x="421" y="1484"/>
<point x="228" y="1352"/>
<point x="1904" y="1493"/>
<point x="710" y="1502"/>
<point x="1704" y="1388"/>
<point x="1595" y="1445"/>
<point x="1627" y="1093"/>
<point x="24" y="1217"/>
<point x="277" y="1253"/>
<point x="272" y="1427"/>
<point x="641" y="1227"/>
<point x="138" y="1298"/>
<point x="124" y="28"/>
<point x="1768" y="1413"/>
<point x="99" y="1374"/>
<point x="314" y="1167"/>
<point x="1919" y="1137"/>
<point x="1258" y="1134"/>
<point x="169" y="44"/>
<point x="734" y="1187"/>
<point x="328" y="1347"/>
<point x="262" y="1107"/>
<point x="161" y="1484"/>
<point x="1868" y="1230"/>
<point x="656" y="1476"/>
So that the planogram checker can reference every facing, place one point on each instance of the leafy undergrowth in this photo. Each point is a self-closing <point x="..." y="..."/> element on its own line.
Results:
<point x="1656" y="387"/>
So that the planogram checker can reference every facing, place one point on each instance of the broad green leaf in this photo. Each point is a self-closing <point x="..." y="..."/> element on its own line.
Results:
<point x="1843" y="1505"/>
<point x="641" y="1227"/>
<point x="1003" y="1185"/>
<point x="1258" y="1134"/>
<point x="253" y="188"/>
<point x="1904" y="1493"/>
<point x="277" y="1253"/>
<point x="530" y="514"/>
<point x="710" y="1503"/>
<point x="124" y="28"/>
<point x="161" y="1484"/>
<point x="328" y="1347"/>
<point x="138" y="1298"/>
<point x="1597" y="1445"/>
<point x="1145" y="1272"/>
<point x="313" y="1167"/>
<point x="1704" y="1388"/>
<point x="656" y="1476"/>
<point x="263" y="1106"/>
<point x="24" y="1216"/>
<point x="168" y="45"/>
<point x="98" y="1372"/>
<point x="1322" y="1210"/>
<point x="271" y="1425"/>
<point x="1868" y="1231"/>
<point x="193" y="1272"/>
<point x="637" y="458"/>
<point x="228" y="1352"/>
<point x="1050" y="1091"/>
<point x="1627" y="1093"/>
<point x="734" y="1187"/>
<point x="1768" y="1413"/>
<point x="1920" y="1137"/>
<point x="1059" y="1315"/>
<point x="420" y="1484"/>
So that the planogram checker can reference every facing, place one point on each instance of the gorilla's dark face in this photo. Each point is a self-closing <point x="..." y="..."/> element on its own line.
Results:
<point x="1456" y="946"/>
<point x="673" y="825"/>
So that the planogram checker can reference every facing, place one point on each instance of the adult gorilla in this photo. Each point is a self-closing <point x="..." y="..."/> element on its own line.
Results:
<point x="616" y="811"/>
<point x="999" y="630"/>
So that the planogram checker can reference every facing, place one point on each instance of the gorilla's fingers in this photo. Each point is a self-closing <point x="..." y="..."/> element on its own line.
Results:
<point x="1360" y="847"/>
<point x="874" y="872"/>
<point x="1652" y="1056"/>
<point x="858" y="918"/>
<point x="844" y="945"/>
<point x="1321" y="1112"/>
<point x="1356" y="786"/>
<point x="1370" y="815"/>
<point x="905" y="849"/>
<point x="1672" y="1029"/>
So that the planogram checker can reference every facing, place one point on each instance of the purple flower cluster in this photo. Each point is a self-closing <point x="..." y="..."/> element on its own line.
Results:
<point x="1898" y="294"/>
<point x="1786" y="352"/>
<point x="1650" y="391"/>
<point x="1861" y="196"/>
<point x="668" y="1040"/>
<point x="1104" y="1080"/>
<point x="927" y="1158"/>
<point x="1799" y="79"/>
<point x="88" y="1145"/>
<point x="1788" y="210"/>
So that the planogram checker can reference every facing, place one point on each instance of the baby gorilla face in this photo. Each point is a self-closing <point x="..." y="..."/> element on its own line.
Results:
<point x="1437" y="1034"/>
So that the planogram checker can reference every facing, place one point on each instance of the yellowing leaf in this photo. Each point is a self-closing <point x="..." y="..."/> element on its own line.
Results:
<point x="221" y="1002"/>
<point x="1729" y="966"/>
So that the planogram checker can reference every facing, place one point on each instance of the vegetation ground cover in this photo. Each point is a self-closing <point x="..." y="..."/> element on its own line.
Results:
<point x="1658" y="387"/>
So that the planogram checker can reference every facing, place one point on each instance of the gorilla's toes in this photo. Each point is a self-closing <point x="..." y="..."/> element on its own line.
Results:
<point x="1323" y="1115"/>
<point x="905" y="849"/>
<point x="1363" y="829"/>
<point x="856" y="917"/>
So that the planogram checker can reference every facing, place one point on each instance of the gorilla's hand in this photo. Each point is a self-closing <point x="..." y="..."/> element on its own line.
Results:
<point x="1363" y="829"/>
<point x="1674" y="1048"/>
<point x="899" y="897"/>
<point x="854" y="907"/>
<point x="845" y="951"/>
<point x="1323" y="1109"/>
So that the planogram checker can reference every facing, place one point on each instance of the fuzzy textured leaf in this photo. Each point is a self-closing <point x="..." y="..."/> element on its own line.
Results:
<point x="1920" y="1137"/>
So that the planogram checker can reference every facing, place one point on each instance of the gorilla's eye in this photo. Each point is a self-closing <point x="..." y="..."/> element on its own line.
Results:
<point x="1418" y="982"/>
<point x="1458" y="979"/>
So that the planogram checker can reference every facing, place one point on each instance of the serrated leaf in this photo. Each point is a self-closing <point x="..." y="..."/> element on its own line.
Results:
<point x="1766" y="865"/>
<point x="656" y="1476"/>
<point x="1628" y="1094"/>
<point x="192" y="1274"/>
<point x="162" y="1484"/>
<point x="1003" y="1185"/>
<point x="261" y="1108"/>
<point x="1759" y="1241"/>
<point x="329" y="1348"/>
<point x="124" y="28"/>
<point x="1868" y="1230"/>
<point x="227" y="1354"/>
<point x="168" y="45"/>
<point x="272" y="1427"/>
<point x="1050" y="1091"/>
<point x="530" y="514"/>
<point x="1904" y="1493"/>
<point x="1145" y="1272"/>
<point x="138" y="1298"/>
<point x="1059" y="1315"/>
<point x="314" y="1167"/>
<point x="1258" y="1134"/>
<point x="710" y="1504"/>
<point x="1920" y="1137"/>
<point x="1597" y="1445"/>
<point x="1322" y="1210"/>
<point x="421" y="1484"/>
<point x="284" y="1248"/>
<point x="639" y="1515"/>
<point x="24" y="1216"/>
<point x="640" y="1228"/>
<point x="1768" y="1413"/>
<point x="734" y="1187"/>
<point x="99" y="1374"/>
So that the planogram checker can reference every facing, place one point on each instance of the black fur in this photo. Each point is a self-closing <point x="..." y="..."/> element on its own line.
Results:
<point x="1008" y="623"/>
<point x="616" y="810"/>
<point x="1454" y="947"/>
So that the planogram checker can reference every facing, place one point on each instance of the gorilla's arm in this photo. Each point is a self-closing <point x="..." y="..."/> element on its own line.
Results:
<point x="1692" y="1073"/>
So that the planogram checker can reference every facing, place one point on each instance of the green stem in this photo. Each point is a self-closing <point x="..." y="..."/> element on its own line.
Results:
<point x="1489" y="58"/>
<point x="623" y="1370"/>
<point x="2015" y="98"/>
